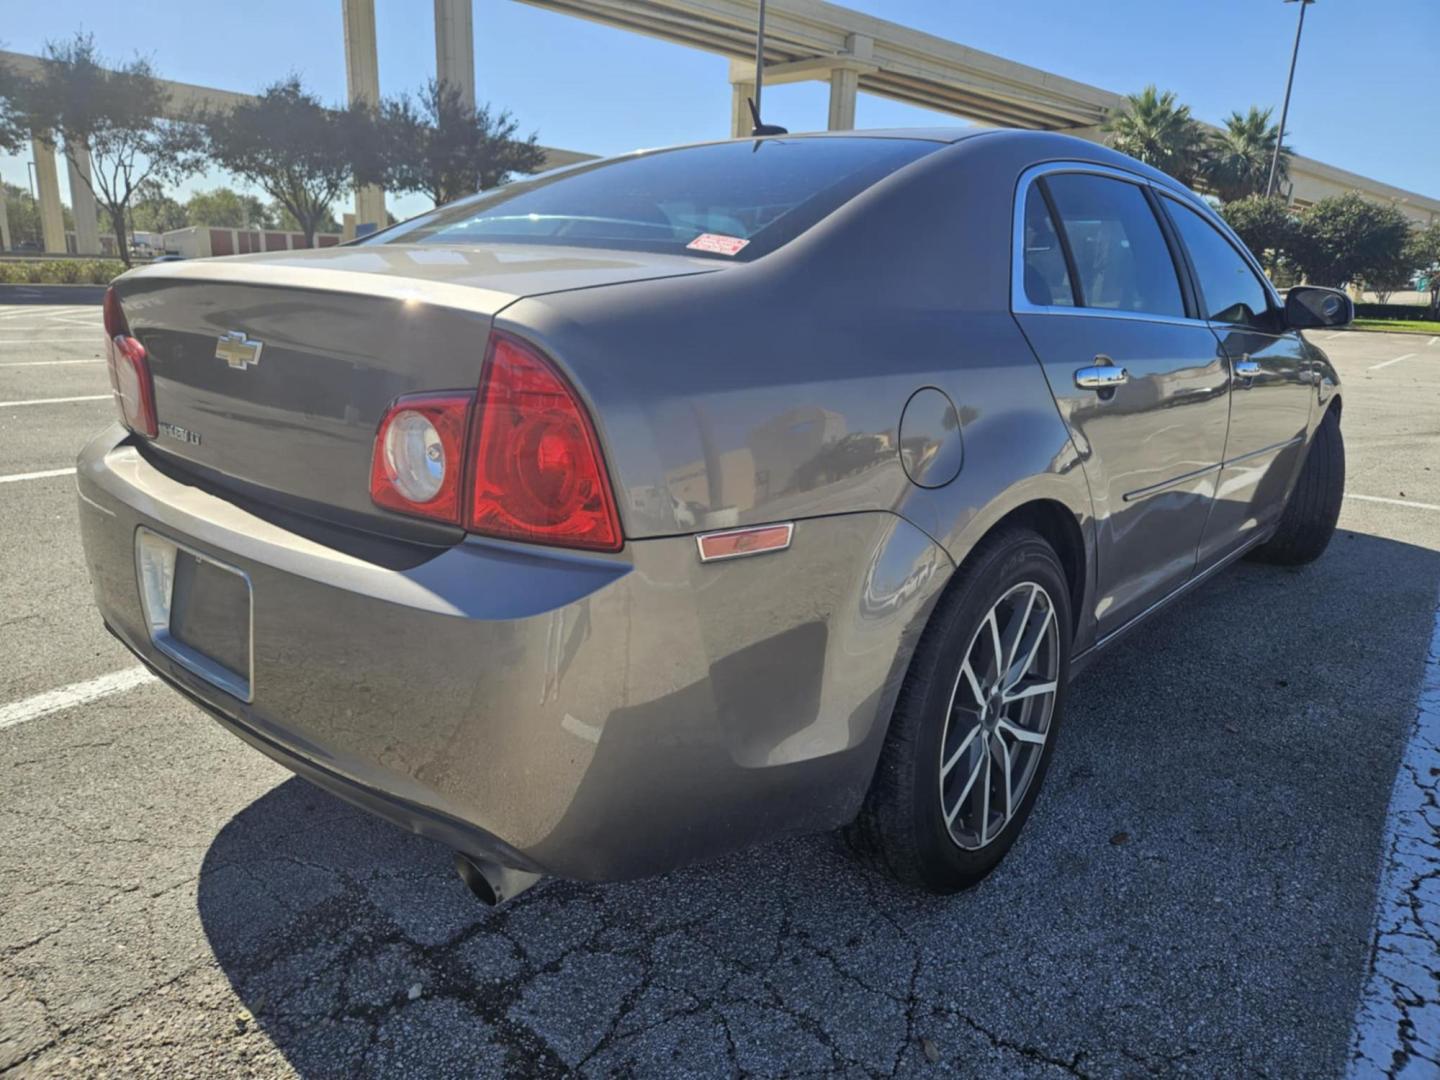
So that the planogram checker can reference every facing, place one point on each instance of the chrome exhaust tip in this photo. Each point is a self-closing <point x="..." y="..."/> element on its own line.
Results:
<point x="492" y="883"/>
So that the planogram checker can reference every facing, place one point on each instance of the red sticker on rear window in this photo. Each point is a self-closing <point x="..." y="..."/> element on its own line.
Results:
<point x="719" y="244"/>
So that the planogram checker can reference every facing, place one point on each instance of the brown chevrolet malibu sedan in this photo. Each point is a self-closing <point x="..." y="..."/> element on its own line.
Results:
<point x="642" y="510"/>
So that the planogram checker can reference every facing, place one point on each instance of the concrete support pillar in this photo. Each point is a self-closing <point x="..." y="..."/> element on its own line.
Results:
<point x="845" y="84"/>
<point x="455" y="47"/>
<point x="82" y="200"/>
<point x="5" y="244"/>
<point x="741" y="122"/>
<point x="47" y="185"/>
<point x="362" y="79"/>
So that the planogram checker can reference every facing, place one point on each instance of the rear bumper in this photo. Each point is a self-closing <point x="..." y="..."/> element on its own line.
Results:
<point x="593" y="717"/>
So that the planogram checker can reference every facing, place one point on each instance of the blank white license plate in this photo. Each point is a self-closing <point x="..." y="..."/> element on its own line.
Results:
<point x="199" y="610"/>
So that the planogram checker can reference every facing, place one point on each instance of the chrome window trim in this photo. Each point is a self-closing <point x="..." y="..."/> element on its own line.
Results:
<point x="1019" y="303"/>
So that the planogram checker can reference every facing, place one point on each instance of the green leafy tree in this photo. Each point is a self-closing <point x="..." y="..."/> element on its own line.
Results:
<point x="226" y="208"/>
<point x="13" y="91"/>
<point x="1157" y="130"/>
<point x="1238" y="163"/>
<point x="154" y="211"/>
<point x="289" y="145"/>
<point x="1422" y="255"/>
<point x="1268" y="227"/>
<point x="280" y="218"/>
<point x="119" y="114"/>
<point x="436" y="145"/>
<point x="1346" y="239"/>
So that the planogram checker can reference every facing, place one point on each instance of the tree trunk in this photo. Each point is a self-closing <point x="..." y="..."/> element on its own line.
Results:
<point x="117" y="223"/>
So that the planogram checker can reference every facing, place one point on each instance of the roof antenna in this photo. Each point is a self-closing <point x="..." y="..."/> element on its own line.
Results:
<point x="761" y="128"/>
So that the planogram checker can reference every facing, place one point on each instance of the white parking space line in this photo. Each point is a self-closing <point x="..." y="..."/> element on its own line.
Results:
<point x="1432" y="341"/>
<point x="67" y="697"/>
<point x="1395" y="502"/>
<point x="44" y="474"/>
<point x="1399" y="1010"/>
<point x="54" y="400"/>
<point x="47" y="363"/>
<point x="1387" y="363"/>
<point x="91" y="339"/>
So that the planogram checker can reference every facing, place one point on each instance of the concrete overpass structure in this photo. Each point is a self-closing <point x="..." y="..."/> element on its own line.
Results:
<point x="852" y="51"/>
<point x="806" y="40"/>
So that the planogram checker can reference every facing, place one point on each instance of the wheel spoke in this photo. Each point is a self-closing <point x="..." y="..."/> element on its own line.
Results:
<point x="1034" y="646"/>
<point x="1005" y="760"/>
<point x="969" y="674"/>
<point x="1023" y="692"/>
<point x="985" y="801"/>
<point x="955" y="757"/>
<point x="994" y="625"/>
<point x="1019" y="734"/>
<point x="965" y="791"/>
<point x="1020" y="630"/>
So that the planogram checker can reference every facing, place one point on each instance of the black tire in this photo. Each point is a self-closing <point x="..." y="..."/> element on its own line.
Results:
<point x="1310" y="513"/>
<point x="901" y="827"/>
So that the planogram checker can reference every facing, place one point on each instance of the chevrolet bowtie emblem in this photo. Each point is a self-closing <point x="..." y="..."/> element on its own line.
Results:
<point x="237" y="350"/>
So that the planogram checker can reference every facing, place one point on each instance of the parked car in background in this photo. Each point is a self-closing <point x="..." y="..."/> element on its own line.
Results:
<point x="643" y="510"/>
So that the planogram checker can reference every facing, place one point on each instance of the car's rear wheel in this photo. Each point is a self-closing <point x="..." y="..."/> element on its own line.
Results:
<point x="1314" y="506"/>
<point x="975" y="723"/>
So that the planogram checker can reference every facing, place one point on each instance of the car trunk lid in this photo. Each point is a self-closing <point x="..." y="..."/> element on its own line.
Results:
<point x="272" y="373"/>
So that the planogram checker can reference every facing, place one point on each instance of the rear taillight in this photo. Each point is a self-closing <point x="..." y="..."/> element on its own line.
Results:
<point x="129" y="371"/>
<point x="523" y="464"/>
<point x="538" y="472"/>
<point x="419" y="462"/>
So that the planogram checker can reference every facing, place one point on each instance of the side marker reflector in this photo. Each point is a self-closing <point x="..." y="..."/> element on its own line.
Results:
<point x="733" y="543"/>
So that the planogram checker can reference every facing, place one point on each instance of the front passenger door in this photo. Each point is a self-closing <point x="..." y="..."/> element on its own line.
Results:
<point x="1271" y="391"/>
<point x="1098" y="291"/>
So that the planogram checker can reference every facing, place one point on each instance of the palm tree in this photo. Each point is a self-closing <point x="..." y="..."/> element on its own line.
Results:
<point x="1240" y="155"/>
<point x="1154" y="129"/>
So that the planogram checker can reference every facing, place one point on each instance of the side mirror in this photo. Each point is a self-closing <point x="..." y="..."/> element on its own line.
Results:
<point x="1308" y="307"/>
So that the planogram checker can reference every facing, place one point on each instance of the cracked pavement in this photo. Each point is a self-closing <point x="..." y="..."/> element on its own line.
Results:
<point x="1195" y="893"/>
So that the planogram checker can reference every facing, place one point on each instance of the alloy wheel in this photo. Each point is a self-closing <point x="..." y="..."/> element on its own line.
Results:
<point x="998" y="718"/>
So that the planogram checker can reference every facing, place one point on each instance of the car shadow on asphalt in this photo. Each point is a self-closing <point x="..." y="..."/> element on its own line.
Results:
<point x="1194" y="891"/>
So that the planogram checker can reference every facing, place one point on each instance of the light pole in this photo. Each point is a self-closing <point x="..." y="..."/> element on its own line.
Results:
<point x="1285" y="108"/>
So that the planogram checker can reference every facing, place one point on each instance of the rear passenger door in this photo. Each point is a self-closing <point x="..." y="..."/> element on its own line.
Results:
<point x="1140" y="380"/>
<point x="1271" y="393"/>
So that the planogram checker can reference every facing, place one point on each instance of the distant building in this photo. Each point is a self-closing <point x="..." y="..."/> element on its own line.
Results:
<point x="203" y="241"/>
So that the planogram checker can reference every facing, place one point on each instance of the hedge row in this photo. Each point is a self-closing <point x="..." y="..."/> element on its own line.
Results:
<point x="1392" y="311"/>
<point x="60" y="271"/>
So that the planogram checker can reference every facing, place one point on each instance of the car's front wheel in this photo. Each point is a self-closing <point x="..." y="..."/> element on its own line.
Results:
<point x="1308" y="521"/>
<point x="975" y="723"/>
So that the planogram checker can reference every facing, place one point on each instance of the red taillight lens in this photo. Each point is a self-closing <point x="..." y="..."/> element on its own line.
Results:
<point x="419" y="460"/>
<point x="129" y="371"/>
<point x="538" y="472"/>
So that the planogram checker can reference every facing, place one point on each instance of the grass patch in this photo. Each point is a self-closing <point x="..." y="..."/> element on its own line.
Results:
<point x="60" y="271"/>
<point x="1401" y="326"/>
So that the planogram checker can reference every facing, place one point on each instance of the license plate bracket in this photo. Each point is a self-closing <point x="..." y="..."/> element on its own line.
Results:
<point x="200" y="611"/>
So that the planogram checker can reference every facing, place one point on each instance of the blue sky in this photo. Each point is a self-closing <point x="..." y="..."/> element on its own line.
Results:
<point x="1360" y="93"/>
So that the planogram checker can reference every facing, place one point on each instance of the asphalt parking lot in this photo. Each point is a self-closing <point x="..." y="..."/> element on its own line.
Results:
<point x="1195" y="894"/>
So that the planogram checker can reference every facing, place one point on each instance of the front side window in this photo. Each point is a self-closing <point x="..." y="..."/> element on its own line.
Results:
<point x="1120" y="254"/>
<point x="731" y="200"/>
<point x="1230" y="291"/>
<point x="1047" y="278"/>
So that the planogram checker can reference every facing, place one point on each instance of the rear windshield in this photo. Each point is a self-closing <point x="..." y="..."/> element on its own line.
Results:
<point x="735" y="200"/>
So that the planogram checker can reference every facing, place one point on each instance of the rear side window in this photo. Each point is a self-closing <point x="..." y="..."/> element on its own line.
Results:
<point x="1230" y="291"/>
<point x="1047" y="278"/>
<point x="1120" y="254"/>
<point x="735" y="200"/>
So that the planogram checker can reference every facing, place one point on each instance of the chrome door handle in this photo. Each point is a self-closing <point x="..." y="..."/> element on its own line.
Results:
<point x="1101" y="377"/>
<point x="1247" y="369"/>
